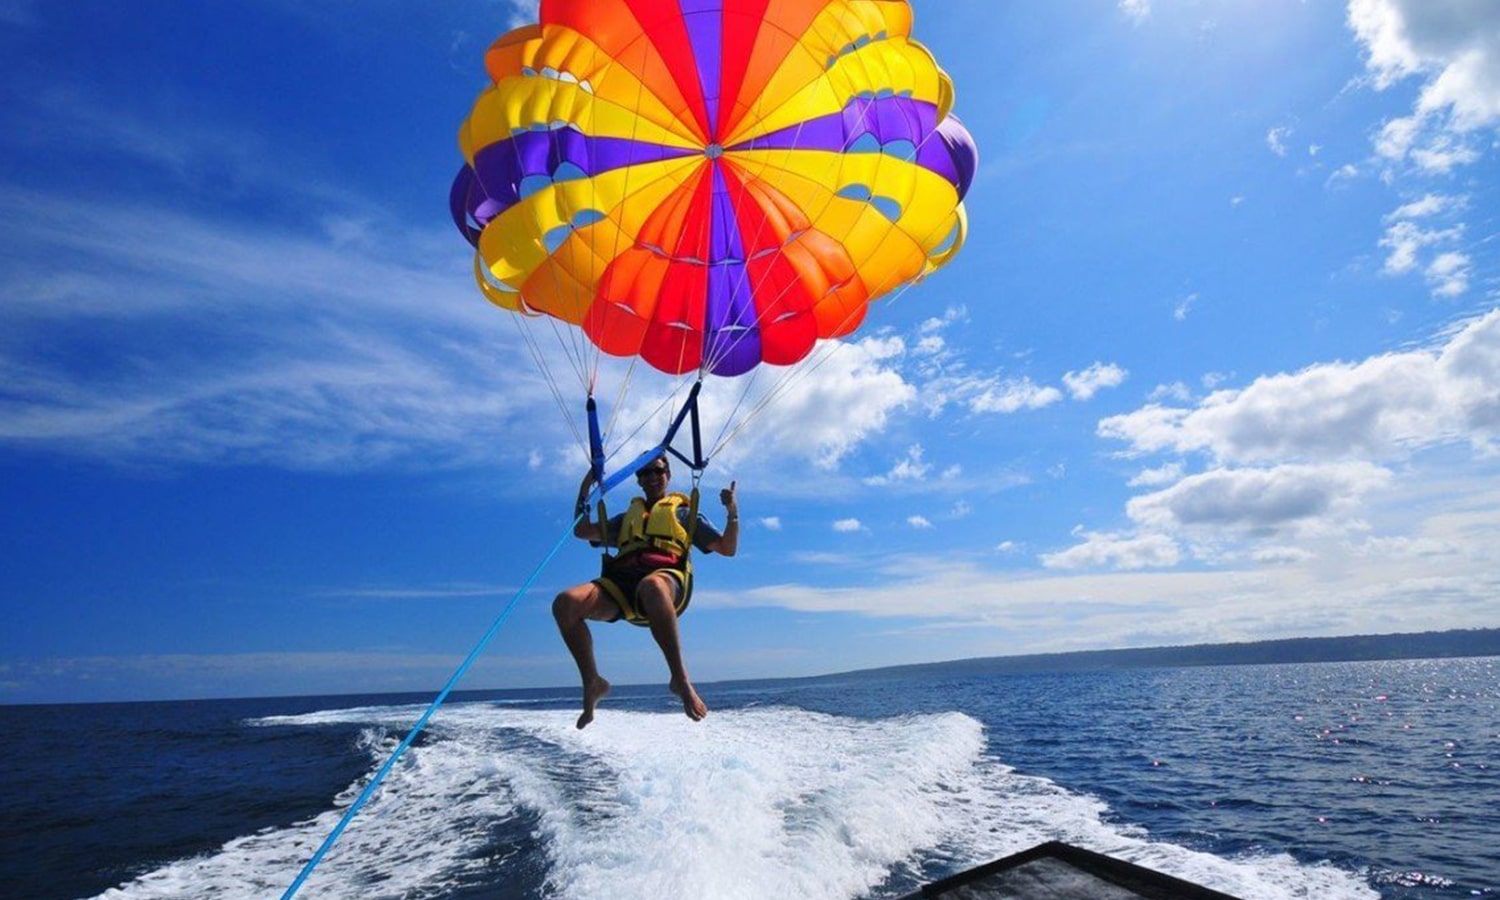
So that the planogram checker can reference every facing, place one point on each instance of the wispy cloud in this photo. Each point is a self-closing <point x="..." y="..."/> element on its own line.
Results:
<point x="1085" y="384"/>
<point x="1184" y="306"/>
<point x="191" y="340"/>
<point x="1453" y="51"/>
<point x="1116" y="551"/>
<point x="909" y="468"/>
<point x="1276" y="139"/>
<point x="1409" y="240"/>
<point x="1348" y="588"/>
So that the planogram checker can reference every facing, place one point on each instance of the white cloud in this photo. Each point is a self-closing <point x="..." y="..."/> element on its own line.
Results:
<point x="1013" y="395"/>
<point x="844" y="394"/>
<point x="847" y="526"/>
<point x="918" y="522"/>
<point x="1453" y="47"/>
<point x="523" y="12"/>
<point x="1299" y="460"/>
<point x="1084" y="385"/>
<point x="1426" y="206"/>
<point x="943" y="379"/>
<point x="1447" y="270"/>
<point x="1431" y="561"/>
<point x="1116" y="551"/>
<point x="1448" y="273"/>
<point x="1453" y="50"/>
<point x="952" y="315"/>
<point x="1441" y="571"/>
<point x="1184" y="306"/>
<point x="1406" y="240"/>
<point x="1279" y="555"/>
<point x="1309" y="499"/>
<point x="930" y="345"/>
<point x="1276" y="139"/>
<point x="1163" y="475"/>
<point x="908" y="468"/>
<point x="771" y="523"/>
<point x="831" y="406"/>
<point x="1174" y="391"/>
<point x="1382" y="408"/>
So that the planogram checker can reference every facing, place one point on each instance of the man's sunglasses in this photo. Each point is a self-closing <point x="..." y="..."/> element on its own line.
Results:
<point x="663" y="471"/>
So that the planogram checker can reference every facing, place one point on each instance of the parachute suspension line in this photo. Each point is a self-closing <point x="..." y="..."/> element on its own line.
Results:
<point x="784" y="384"/>
<point x="539" y="359"/>
<point x="719" y="439"/>
<point x="620" y="395"/>
<point x="525" y="325"/>
<point x="688" y="414"/>
<point x="571" y="344"/>
<point x="463" y="668"/>
<point x="645" y="420"/>
<point x="823" y="354"/>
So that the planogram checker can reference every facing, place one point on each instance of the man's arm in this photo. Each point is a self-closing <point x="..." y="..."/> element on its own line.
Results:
<point x="728" y="541"/>
<point x="586" y="528"/>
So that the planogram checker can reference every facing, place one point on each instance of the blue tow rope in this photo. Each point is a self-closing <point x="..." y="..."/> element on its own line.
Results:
<point x="416" y="729"/>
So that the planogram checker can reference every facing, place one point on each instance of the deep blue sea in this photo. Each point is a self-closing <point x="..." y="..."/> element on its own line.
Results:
<point x="1327" y="781"/>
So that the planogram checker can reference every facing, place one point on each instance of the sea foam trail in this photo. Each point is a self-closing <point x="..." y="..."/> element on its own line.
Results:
<point x="753" y="803"/>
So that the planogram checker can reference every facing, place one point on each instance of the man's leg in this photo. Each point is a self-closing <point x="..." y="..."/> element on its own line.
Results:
<point x="656" y="598"/>
<point x="572" y="609"/>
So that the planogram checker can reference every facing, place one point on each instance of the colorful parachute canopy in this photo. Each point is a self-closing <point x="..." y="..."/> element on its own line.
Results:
<point x="711" y="184"/>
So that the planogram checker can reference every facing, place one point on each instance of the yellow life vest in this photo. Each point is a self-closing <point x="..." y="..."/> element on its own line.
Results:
<point x="656" y="529"/>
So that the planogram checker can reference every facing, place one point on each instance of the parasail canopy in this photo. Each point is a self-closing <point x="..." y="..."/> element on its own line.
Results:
<point x="711" y="184"/>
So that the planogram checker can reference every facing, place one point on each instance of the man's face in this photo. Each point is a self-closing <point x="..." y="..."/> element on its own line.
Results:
<point x="653" y="479"/>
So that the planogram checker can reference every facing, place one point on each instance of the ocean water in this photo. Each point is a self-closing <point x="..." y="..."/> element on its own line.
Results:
<point x="1328" y="781"/>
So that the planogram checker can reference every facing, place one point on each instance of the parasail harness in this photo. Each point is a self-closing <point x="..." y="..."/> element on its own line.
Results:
<point x="657" y="527"/>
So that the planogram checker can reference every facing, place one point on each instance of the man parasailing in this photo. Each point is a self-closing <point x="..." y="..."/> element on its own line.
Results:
<point x="649" y="580"/>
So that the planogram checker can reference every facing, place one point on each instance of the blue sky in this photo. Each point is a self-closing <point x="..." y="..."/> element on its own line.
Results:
<point x="1220" y="361"/>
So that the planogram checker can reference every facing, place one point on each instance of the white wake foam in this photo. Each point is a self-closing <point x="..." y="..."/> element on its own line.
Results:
<point x="754" y="803"/>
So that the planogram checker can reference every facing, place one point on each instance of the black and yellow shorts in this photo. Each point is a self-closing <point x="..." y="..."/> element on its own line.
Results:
<point x="621" y="580"/>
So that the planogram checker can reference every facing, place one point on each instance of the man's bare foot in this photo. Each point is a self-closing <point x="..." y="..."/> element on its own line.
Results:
<point x="692" y="704"/>
<point x="593" y="692"/>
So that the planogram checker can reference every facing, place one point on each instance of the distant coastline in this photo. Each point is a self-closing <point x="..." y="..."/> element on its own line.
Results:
<point x="1475" y="642"/>
<point x="1360" y="648"/>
